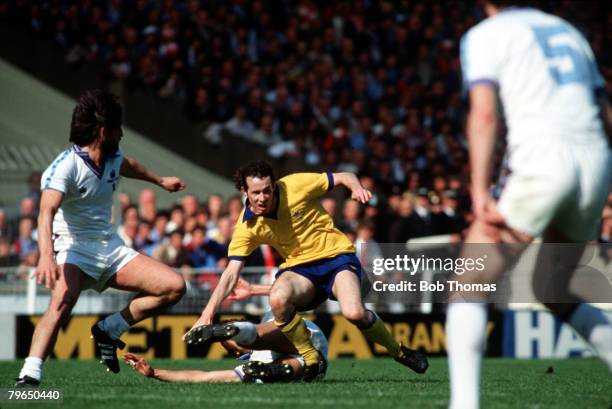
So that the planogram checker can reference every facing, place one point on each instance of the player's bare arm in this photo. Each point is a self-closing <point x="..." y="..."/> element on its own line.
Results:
<point x="144" y="368"/>
<point x="351" y="182"/>
<point x="244" y="290"/>
<point x="131" y="168"/>
<point x="47" y="269"/>
<point x="482" y="124"/>
<point x="228" y="280"/>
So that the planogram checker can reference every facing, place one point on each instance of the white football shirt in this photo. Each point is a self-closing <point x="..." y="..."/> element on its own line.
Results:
<point x="545" y="72"/>
<point x="86" y="209"/>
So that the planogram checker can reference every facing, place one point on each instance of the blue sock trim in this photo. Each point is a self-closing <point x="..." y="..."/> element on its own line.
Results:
<point x="372" y="320"/>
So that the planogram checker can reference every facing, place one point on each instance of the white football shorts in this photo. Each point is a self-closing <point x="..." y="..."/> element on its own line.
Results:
<point x="98" y="259"/>
<point x="559" y="185"/>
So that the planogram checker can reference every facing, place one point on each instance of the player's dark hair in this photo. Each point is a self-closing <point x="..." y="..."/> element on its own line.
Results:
<point x="515" y="3"/>
<point x="94" y="109"/>
<point x="256" y="168"/>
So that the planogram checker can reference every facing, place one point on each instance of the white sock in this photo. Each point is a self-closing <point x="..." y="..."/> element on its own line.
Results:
<point x="32" y="368"/>
<point x="595" y="327"/>
<point x="466" y="325"/>
<point x="247" y="334"/>
<point x="114" y="325"/>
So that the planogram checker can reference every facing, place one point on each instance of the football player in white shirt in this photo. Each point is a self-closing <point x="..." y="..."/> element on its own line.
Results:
<point x="544" y="73"/>
<point x="79" y="247"/>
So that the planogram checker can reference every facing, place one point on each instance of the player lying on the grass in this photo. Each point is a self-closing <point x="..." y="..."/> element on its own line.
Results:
<point x="79" y="245"/>
<point x="271" y="357"/>
<point x="320" y="261"/>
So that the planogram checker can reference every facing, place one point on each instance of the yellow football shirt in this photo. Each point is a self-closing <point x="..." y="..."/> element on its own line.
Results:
<point x="299" y="228"/>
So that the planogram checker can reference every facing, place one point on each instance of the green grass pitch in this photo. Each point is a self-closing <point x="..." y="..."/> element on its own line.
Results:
<point x="378" y="384"/>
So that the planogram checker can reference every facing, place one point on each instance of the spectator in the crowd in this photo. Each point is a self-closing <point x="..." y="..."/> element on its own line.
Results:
<point x="214" y="205"/>
<point x="201" y="217"/>
<point x="25" y="242"/>
<point x="234" y="208"/>
<point x="190" y="205"/>
<point x="177" y="219"/>
<point x="172" y="251"/>
<point x="330" y="205"/>
<point x="142" y="241"/>
<point x="8" y="258"/>
<point x="422" y="223"/>
<point x="147" y="205"/>
<point x="124" y="201"/>
<point x="240" y="125"/>
<point x="128" y="232"/>
<point x="451" y="220"/>
<point x="367" y="248"/>
<point x="158" y="231"/>
<point x="4" y="225"/>
<point x="130" y="214"/>
<point x="351" y="211"/>
<point x="266" y="134"/>
<point x="27" y="208"/>
<point x="224" y="233"/>
<point x="204" y="252"/>
<point x="400" y="230"/>
<point x="34" y="187"/>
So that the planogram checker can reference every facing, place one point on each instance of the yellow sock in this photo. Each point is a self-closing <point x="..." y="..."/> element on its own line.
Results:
<point x="378" y="333"/>
<point x="299" y="335"/>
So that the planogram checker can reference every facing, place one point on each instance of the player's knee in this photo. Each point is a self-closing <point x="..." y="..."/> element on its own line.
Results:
<point x="61" y="305"/>
<point x="278" y="302"/>
<point x="178" y="289"/>
<point x="175" y="290"/>
<point x="355" y="314"/>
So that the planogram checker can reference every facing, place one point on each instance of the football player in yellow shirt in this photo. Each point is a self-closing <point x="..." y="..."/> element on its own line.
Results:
<point x="320" y="261"/>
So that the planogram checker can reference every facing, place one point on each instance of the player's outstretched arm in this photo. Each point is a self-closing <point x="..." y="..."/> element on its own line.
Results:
<point x="50" y="201"/>
<point x="351" y="182"/>
<point x="244" y="290"/>
<point x="131" y="168"/>
<point x="144" y="368"/>
<point x="228" y="280"/>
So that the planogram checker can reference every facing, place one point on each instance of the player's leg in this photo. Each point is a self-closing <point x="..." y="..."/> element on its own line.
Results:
<point x="289" y="291"/>
<point x="257" y="337"/>
<point x="270" y="337"/>
<point x="466" y="317"/>
<point x="347" y="290"/>
<point x="284" y="369"/>
<point x="156" y="286"/>
<point x="587" y="320"/>
<point x="63" y="297"/>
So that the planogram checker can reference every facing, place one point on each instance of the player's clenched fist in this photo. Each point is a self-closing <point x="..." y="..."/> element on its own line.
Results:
<point x="361" y="195"/>
<point x="172" y="183"/>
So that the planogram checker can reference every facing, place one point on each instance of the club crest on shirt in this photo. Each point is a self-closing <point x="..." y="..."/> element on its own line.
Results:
<point x="297" y="215"/>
